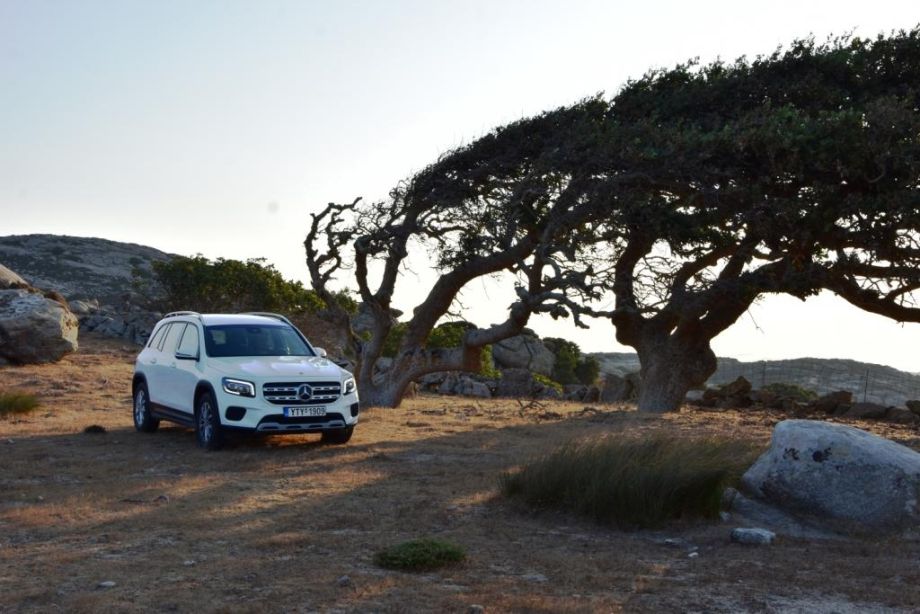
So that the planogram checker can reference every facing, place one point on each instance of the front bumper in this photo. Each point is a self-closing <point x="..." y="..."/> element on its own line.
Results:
<point x="259" y="416"/>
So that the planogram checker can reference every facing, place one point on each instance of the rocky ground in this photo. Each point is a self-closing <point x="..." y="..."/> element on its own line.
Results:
<point x="120" y="521"/>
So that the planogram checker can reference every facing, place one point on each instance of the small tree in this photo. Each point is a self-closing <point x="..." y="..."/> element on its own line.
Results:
<point x="506" y="203"/>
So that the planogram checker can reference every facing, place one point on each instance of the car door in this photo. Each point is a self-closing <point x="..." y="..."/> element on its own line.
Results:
<point x="185" y="370"/>
<point x="152" y="358"/>
<point x="165" y="367"/>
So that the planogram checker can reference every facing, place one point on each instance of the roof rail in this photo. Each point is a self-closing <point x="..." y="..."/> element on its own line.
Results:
<point x="173" y="314"/>
<point x="268" y="314"/>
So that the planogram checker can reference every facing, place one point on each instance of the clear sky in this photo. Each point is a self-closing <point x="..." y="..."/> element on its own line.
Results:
<point x="217" y="127"/>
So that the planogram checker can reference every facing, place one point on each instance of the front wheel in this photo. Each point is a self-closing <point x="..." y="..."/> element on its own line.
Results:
<point x="338" y="436"/>
<point x="207" y="423"/>
<point x="144" y="422"/>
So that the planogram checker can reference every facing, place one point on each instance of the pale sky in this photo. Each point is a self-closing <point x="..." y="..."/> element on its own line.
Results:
<point x="217" y="127"/>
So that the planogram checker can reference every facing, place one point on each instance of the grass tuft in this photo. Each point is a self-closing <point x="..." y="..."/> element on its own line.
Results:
<point x="17" y="403"/>
<point x="419" y="555"/>
<point x="633" y="482"/>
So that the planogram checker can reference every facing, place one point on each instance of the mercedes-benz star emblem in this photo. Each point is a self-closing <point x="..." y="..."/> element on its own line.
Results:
<point x="305" y="392"/>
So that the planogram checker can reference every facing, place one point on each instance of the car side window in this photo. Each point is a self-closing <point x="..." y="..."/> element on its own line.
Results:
<point x="172" y="337"/>
<point x="157" y="336"/>
<point x="188" y="345"/>
<point x="162" y="338"/>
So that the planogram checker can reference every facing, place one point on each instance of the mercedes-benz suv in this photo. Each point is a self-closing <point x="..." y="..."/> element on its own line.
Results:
<point x="250" y="372"/>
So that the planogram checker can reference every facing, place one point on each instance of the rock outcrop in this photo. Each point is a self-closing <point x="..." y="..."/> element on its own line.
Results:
<point x="524" y="352"/>
<point x="838" y="476"/>
<point x="108" y="283"/>
<point x="33" y="328"/>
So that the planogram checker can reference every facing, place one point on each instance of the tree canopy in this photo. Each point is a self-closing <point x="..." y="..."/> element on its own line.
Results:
<point x="683" y="198"/>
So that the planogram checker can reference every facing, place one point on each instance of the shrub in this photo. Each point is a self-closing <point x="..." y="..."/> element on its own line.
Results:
<point x="419" y="555"/>
<point x="223" y="285"/>
<point x="633" y="482"/>
<point x="17" y="403"/>
<point x="548" y="382"/>
<point x="571" y="367"/>
<point x="791" y="391"/>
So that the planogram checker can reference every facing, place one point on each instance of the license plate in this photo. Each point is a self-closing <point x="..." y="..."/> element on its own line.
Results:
<point x="301" y="412"/>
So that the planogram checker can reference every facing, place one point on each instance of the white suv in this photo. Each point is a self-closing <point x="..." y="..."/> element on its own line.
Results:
<point x="251" y="372"/>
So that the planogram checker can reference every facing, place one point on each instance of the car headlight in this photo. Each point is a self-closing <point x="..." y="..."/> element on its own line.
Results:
<point x="239" y="387"/>
<point x="349" y="386"/>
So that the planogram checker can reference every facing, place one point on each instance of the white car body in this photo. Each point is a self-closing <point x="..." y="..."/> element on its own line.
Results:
<point x="253" y="391"/>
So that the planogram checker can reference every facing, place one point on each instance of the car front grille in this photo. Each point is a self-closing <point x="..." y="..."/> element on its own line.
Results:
<point x="289" y="393"/>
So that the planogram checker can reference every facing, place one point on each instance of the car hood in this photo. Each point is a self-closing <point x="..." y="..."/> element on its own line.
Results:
<point x="279" y="366"/>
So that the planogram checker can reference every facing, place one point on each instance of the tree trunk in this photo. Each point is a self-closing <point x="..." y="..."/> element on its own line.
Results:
<point x="384" y="394"/>
<point x="670" y="367"/>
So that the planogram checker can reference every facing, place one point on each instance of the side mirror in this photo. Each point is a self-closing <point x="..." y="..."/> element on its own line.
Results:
<point x="320" y="352"/>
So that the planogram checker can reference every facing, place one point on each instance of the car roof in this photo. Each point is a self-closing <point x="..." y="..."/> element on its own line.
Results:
<point x="218" y="319"/>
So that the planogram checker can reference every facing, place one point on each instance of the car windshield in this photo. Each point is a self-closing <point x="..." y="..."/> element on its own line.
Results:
<point x="254" y="340"/>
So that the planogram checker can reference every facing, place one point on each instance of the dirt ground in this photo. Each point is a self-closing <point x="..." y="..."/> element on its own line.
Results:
<point x="286" y="525"/>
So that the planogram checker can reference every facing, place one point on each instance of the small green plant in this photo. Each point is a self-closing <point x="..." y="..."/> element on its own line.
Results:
<point x="633" y="482"/>
<point x="17" y="403"/>
<point x="419" y="555"/>
<point x="549" y="383"/>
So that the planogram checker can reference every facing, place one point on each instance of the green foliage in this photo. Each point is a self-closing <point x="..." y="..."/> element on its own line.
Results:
<point x="548" y="382"/>
<point x="420" y="555"/>
<point x="633" y="482"/>
<point x="446" y="335"/>
<point x="571" y="367"/>
<point x="791" y="391"/>
<point x="17" y="403"/>
<point x="224" y="285"/>
<point x="394" y="338"/>
<point x="587" y="370"/>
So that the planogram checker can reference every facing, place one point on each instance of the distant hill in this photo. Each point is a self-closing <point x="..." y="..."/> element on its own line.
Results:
<point x="79" y="267"/>
<point x="867" y="381"/>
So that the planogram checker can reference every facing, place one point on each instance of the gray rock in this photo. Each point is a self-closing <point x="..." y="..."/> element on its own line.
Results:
<point x="913" y="406"/>
<point x="524" y="352"/>
<point x="831" y="401"/>
<point x="475" y="609"/>
<point x="449" y="384"/>
<point x="516" y="383"/>
<point x="753" y="537"/>
<point x="841" y="477"/>
<point x="616" y="389"/>
<point x="866" y="410"/>
<point x="574" y="392"/>
<point x="901" y="415"/>
<point x="471" y="388"/>
<point x="34" y="329"/>
<point x="10" y="279"/>
<point x="106" y="584"/>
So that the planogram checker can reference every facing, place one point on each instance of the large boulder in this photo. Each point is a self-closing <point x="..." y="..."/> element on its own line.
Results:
<point x="35" y="329"/>
<point x="841" y="477"/>
<point x="524" y="352"/>
<point x="10" y="279"/>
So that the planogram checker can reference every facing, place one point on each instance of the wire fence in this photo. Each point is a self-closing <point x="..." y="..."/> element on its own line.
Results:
<point x="867" y="382"/>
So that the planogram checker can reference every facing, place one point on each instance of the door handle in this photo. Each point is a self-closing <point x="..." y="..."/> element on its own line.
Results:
<point x="172" y="364"/>
<point x="153" y="361"/>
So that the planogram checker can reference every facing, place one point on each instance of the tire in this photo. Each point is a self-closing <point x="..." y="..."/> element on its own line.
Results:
<point x="338" y="436"/>
<point x="208" y="432"/>
<point x="144" y="422"/>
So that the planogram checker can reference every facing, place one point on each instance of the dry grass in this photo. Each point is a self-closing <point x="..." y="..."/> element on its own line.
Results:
<point x="634" y="482"/>
<point x="274" y="524"/>
<point x="12" y="403"/>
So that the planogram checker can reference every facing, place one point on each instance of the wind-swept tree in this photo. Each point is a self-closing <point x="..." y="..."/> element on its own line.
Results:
<point x="792" y="173"/>
<point x="506" y="203"/>
<point x="693" y="192"/>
